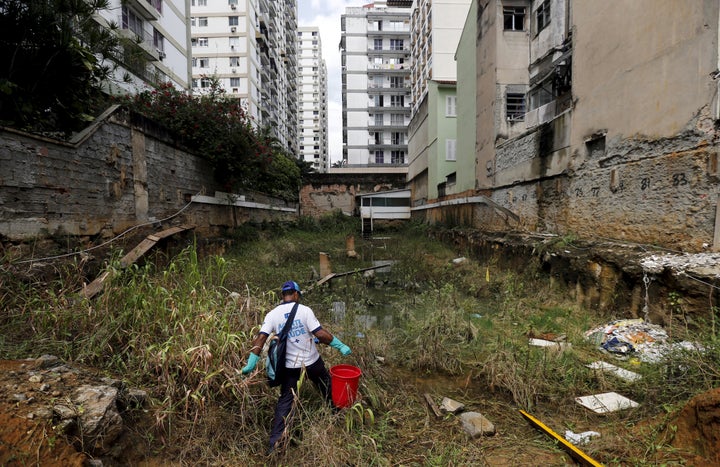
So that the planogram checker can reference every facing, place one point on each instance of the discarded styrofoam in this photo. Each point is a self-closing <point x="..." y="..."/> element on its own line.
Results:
<point x="578" y="439"/>
<point x="606" y="402"/>
<point x="621" y="373"/>
<point x="546" y="343"/>
<point x="451" y="406"/>
<point x="462" y="259"/>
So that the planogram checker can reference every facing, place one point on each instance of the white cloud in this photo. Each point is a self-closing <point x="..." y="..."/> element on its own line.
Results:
<point x="326" y="16"/>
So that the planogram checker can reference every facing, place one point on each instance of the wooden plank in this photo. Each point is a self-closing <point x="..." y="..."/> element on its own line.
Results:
<point x="143" y="247"/>
<point x="433" y="405"/>
<point x="95" y="286"/>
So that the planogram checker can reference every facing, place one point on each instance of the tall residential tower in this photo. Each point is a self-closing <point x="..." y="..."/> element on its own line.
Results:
<point x="249" y="46"/>
<point x="375" y="48"/>
<point x="312" y="98"/>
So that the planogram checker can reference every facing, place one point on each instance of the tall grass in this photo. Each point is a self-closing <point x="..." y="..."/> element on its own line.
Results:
<point x="182" y="329"/>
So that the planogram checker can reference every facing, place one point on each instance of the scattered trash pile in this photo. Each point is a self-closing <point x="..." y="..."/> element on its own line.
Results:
<point x="636" y="338"/>
<point x="693" y="262"/>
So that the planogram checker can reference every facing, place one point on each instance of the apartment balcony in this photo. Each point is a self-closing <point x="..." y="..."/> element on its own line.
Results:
<point x="389" y="109"/>
<point x="374" y="88"/>
<point x="387" y="127"/>
<point x="373" y="146"/>
<point x="389" y="67"/>
<point x="145" y="9"/>
<point x="143" y="41"/>
<point x="389" y="51"/>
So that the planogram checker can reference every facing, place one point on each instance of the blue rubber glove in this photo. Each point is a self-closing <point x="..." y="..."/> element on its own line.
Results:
<point x="336" y="344"/>
<point x="252" y="361"/>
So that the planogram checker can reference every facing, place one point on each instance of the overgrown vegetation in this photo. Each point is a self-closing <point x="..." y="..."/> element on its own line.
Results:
<point x="219" y="129"/>
<point x="181" y="326"/>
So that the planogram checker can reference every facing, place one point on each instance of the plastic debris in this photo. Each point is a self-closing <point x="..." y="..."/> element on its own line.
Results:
<point x="546" y="343"/>
<point x="579" y="439"/>
<point x="639" y="338"/>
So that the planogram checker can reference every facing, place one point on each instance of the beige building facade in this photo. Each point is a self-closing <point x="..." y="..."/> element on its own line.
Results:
<point x="598" y="119"/>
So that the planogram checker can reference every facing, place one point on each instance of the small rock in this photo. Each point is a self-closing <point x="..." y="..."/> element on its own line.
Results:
<point x="12" y="373"/>
<point x="451" y="406"/>
<point x="115" y="383"/>
<point x="47" y="361"/>
<point x="44" y="387"/>
<point x="64" y="412"/>
<point x="30" y="416"/>
<point x="19" y="397"/>
<point x="56" y="393"/>
<point x="476" y="425"/>
<point x="94" y="463"/>
<point x="43" y="413"/>
<point x="36" y="379"/>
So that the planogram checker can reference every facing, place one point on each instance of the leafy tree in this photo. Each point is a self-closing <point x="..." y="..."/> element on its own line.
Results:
<point x="218" y="128"/>
<point x="52" y="62"/>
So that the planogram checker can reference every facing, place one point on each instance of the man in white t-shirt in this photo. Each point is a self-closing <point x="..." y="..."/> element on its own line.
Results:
<point x="302" y="353"/>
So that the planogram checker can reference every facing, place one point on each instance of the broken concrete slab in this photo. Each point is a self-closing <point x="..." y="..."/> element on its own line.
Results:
<point x="476" y="425"/>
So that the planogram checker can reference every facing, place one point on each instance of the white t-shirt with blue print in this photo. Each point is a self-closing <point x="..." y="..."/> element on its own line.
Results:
<point x="301" y="348"/>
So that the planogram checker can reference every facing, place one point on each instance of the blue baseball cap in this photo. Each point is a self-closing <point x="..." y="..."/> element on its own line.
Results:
<point x="291" y="286"/>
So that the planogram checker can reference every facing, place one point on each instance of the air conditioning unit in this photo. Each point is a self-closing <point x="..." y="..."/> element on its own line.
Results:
<point x="233" y="29"/>
<point x="161" y="54"/>
<point x="233" y="6"/>
<point x="234" y="70"/>
<point x="232" y="47"/>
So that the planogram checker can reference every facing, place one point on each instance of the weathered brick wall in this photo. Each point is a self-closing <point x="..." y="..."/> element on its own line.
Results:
<point x="119" y="177"/>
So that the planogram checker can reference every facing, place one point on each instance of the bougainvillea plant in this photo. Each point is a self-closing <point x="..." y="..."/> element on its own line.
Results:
<point x="219" y="129"/>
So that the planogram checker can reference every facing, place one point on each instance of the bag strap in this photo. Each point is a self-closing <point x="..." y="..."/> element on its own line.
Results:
<point x="288" y="323"/>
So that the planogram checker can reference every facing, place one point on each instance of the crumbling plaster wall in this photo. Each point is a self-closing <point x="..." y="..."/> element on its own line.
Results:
<point x="325" y="193"/>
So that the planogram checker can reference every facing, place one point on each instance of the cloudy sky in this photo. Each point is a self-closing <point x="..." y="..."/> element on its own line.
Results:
<point x="326" y="15"/>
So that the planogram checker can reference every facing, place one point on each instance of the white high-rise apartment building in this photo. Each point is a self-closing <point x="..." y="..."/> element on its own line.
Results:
<point x="249" y="46"/>
<point x="312" y="97"/>
<point x="158" y="46"/>
<point x="375" y="46"/>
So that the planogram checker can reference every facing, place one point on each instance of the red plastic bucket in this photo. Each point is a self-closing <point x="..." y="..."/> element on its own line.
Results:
<point x="344" y="380"/>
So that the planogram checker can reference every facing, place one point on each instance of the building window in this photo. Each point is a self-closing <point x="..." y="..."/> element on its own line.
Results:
<point x="235" y="82"/>
<point x="202" y="42"/>
<point x="205" y="83"/>
<point x="201" y="62"/>
<point x="233" y="20"/>
<point x="131" y="21"/>
<point x="397" y="119"/>
<point x="158" y="40"/>
<point x="397" y="157"/>
<point x="377" y="44"/>
<point x="451" y="179"/>
<point x="234" y="61"/>
<point x="378" y="119"/>
<point x="397" y="101"/>
<point x="515" y="107"/>
<point x="397" y="138"/>
<point x="514" y="17"/>
<point x="379" y="157"/>
<point x="396" y="44"/>
<point x="543" y="15"/>
<point x="202" y="21"/>
<point x="450" y="145"/>
<point x="397" y="82"/>
<point x="451" y="106"/>
<point x="199" y="2"/>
